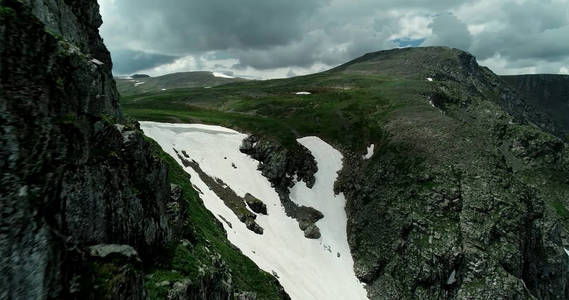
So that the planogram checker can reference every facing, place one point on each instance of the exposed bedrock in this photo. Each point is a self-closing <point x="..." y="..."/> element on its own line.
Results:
<point x="283" y="168"/>
<point x="85" y="204"/>
<point x="468" y="205"/>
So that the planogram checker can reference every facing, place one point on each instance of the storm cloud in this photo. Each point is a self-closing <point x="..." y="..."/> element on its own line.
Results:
<point x="129" y="61"/>
<point x="274" y="38"/>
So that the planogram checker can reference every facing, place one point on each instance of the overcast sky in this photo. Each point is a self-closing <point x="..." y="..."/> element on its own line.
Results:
<point x="283" y="38"/>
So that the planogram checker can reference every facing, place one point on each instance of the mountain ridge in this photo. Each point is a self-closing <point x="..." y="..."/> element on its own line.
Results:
<point x="176" y="80"/>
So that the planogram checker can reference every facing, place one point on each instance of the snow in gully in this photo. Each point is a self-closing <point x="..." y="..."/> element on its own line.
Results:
<point x="306" y="268"/>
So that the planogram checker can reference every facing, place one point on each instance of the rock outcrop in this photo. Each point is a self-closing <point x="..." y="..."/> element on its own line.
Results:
<point x="86" y="204"/>
<point x="468" y="202"/>
<point x="283" y="167"/>
<point x="73" y="172"/>
<point x="547" y="92"/>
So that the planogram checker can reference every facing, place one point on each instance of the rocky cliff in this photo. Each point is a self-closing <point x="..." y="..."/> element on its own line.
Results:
<point x="86" y="202"/>
<point x="467" y="201"/>
<point x="549" y="93"/>
<point x="74" y="173"/>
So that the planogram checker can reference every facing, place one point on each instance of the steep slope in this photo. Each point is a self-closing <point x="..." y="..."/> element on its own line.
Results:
<point x="320" y="268"/>
<point x="549" y="93"/>
<point x="461" y="74"/>
<point x="465" y="193"/>
<point x="133" y="86"/>
<point x="88" y="209"/>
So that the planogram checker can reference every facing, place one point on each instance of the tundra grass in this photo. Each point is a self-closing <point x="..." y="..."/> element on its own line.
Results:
<point x="349" y="110"/>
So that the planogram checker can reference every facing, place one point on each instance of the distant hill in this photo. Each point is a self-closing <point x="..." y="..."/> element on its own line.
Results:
<point x="138" y="84"/>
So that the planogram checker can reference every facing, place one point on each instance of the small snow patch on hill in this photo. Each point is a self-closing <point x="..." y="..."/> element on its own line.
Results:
<point x="369" y="153"/>
<point x="97" y="62"/>
<point x="221" y="75"/>
<point x="303" y="93"/>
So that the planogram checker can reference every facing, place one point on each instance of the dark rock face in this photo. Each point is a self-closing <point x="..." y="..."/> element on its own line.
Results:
<point x="312" y="232"/>
<point x="255" y="204"/>
<point x="472" y="205"/>
<point x="280" y="166"/>
<point x="116" y="271"/>
<point x="549" y="93"/>
<point x="73" y="173"/>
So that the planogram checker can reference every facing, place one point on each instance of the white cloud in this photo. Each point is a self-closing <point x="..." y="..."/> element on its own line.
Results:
<point x="208" y="62"/>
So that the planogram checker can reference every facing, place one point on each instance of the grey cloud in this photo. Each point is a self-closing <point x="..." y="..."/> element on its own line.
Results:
<point x="182" y="27"/>
<point x="130" y="61"/>
<point x="272" y="34"/>
<point x="535" y="30"/>
<point x="448" y="30"/>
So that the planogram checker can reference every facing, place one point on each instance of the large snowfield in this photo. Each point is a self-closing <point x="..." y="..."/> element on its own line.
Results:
<point x="307" y="269"/>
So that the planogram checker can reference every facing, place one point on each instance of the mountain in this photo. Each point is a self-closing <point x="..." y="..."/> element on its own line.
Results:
<point x="138" y="85"/>
<point x="455" y="181"/>
<point x="549" y="93"/>
<point x="404" y="174"/>
<point x="90" y="208"/>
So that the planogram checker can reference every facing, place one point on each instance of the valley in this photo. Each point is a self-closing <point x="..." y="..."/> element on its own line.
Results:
<point x="411" y="173"/>
<point x="451" y="184"/>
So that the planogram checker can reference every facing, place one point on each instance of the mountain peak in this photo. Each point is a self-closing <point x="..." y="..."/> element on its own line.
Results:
<point x="413" y="62"/>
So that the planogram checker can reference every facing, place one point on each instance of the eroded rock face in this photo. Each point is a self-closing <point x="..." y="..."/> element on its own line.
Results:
<point x="283" y="167"/>
<point x="255" y="204"/>
<point x="70" y="177"/>
<point x="469" y="206"/>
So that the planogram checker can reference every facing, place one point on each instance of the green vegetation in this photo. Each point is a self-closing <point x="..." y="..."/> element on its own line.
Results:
<point x="197" y="259"/>
<point x="109" y="274"/>
<point x="6" y="11"/>
<point x="560" y="209"/>
<point x="344" y="109"/>
<point x="171" y="81"/>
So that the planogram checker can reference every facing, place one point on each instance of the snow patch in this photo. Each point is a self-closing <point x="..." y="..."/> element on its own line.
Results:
<point x="307" y="269"/>
<point x="370" y="150"/>
<point x="221" y="75"/>
<point x="97" y="62"/>
<point x="566" y="251"/>
<point x="429" y="79"/>
<point x="303" y="93"/>
<point x="138" y="83"/>
<point x="162" y="89"/>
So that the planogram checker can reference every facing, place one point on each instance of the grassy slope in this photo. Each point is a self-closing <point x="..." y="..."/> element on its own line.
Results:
<point x="171" y="81"/>
<point x="186" y="261"/>
<point x="343" y="109"/>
